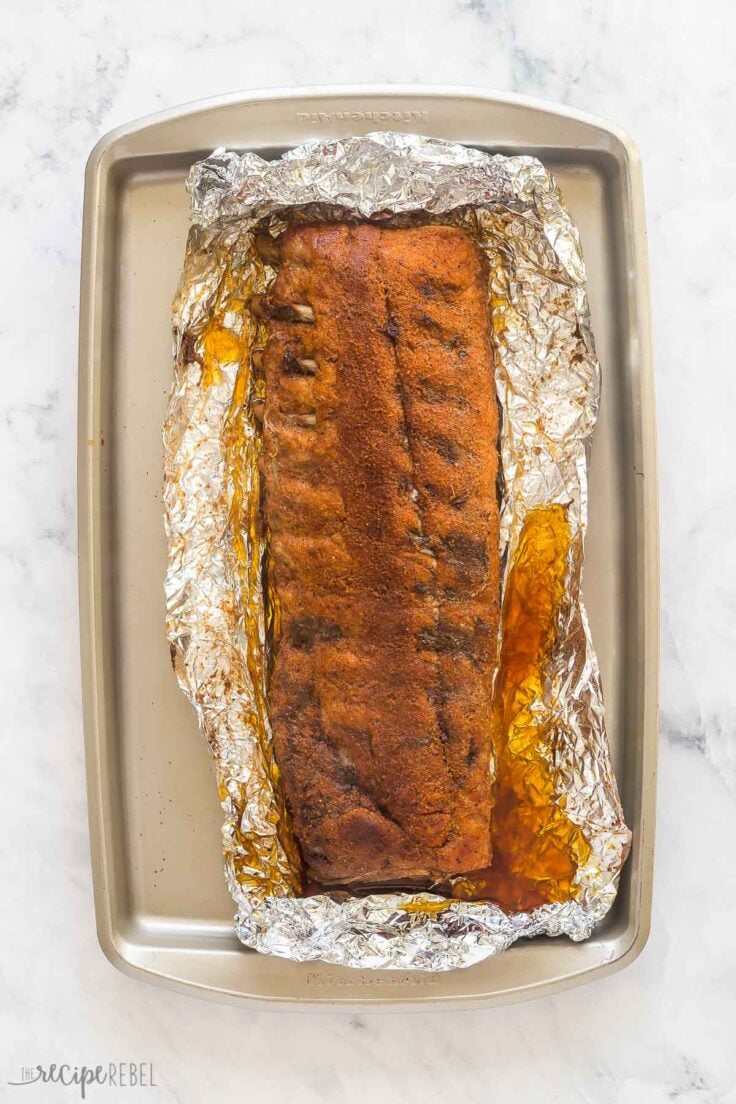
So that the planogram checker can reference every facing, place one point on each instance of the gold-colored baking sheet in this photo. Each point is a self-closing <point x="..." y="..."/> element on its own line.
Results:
<point x="163" y="911"/>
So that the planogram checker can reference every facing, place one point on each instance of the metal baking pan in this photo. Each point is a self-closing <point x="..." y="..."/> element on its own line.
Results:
<point x="163" y="913"/>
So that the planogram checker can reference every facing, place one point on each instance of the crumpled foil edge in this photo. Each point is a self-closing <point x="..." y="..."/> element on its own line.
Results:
<point x="548" y="387"/>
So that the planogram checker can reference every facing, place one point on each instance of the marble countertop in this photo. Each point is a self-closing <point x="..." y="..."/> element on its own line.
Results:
<point x="659" y="1030"/>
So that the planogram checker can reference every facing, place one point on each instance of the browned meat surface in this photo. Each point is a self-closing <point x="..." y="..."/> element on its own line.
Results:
<point x="380" y="461"/>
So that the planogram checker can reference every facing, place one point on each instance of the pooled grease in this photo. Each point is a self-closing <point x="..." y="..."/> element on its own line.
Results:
<point x="536" y="847"/>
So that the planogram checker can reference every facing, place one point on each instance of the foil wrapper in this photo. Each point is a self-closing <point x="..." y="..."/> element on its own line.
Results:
<point x="560" y="838"/>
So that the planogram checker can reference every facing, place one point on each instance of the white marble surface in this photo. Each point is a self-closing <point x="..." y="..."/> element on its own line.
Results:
<point x="663" y="69"/>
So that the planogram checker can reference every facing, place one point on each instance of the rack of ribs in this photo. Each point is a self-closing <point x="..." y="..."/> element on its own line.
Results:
<point x="379" y="467"/>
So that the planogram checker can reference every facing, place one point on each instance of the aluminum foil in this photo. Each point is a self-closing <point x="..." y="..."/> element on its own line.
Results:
<point x="559" y="835"/>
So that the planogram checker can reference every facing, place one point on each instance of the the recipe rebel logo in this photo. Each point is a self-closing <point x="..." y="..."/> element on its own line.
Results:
<point x="117" y="1075"/>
